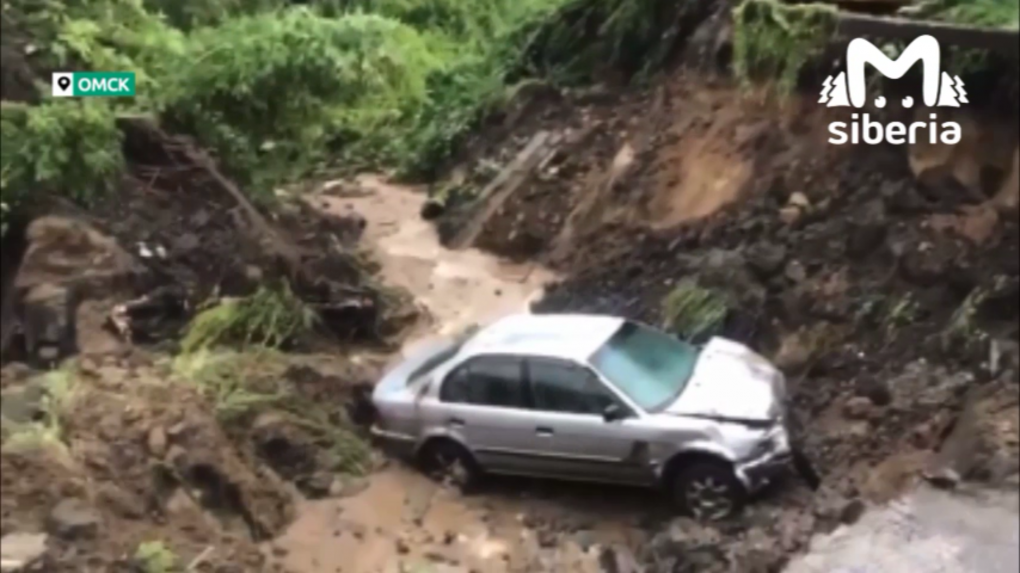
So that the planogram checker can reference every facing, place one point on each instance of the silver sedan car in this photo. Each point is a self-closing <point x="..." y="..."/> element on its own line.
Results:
<point x="593" y="398"/>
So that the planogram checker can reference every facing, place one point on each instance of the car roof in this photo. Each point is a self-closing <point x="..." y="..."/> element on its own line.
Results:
<point x="570" y="336"/>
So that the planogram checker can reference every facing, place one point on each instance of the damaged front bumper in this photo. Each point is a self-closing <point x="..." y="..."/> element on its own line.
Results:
<point x="758" y="472"/>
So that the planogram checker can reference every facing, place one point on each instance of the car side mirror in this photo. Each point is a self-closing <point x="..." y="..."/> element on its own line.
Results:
<point x="612" y="413"/>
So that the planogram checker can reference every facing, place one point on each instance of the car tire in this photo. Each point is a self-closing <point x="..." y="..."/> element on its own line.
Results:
<point x="708" y="491"/>
<point x="453" y="464"/>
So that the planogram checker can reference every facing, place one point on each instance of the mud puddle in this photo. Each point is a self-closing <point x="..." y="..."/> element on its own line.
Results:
<point x="928" y="530"/>
<point x="401" y="520"/>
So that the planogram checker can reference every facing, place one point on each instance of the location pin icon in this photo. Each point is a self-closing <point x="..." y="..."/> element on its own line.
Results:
<point x="63" y="82"/>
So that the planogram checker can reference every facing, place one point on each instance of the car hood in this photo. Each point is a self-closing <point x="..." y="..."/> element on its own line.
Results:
<point x="732" y="382"/>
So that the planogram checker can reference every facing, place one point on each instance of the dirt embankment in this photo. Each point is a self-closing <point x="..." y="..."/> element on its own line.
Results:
<point x="883" y="280"/>
<point x="118" y="455"/>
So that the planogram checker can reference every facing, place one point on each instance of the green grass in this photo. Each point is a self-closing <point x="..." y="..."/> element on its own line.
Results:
<point x="272" y="317"/>
<point x="984" y="13"/>
<point x="156" y="557"/>
<point x="694" y="312"/>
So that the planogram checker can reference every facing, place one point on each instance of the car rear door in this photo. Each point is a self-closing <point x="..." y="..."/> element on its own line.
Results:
<point x="484" y="403"/>
<point x="569" y="402"/>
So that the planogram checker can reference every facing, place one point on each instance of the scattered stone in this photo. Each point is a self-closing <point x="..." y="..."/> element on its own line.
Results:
<point x="157" y="442"/>
<point x="859" y="408"/>
<point x="852" y="512"/>
<point x="619" y="560"/>
<point x="799" y="200"/>
<point x="943" y="478"/>
<point x="24" y="404"/>
<point x="432" y="209"/>
<point x="547" y="539"/>
<point x="403" y="547"/>
<point x="120" y="501"/>
<point x="317" y="485"/>
<point x="796" y="272"/>
<point x="73" y="519"/>
<point x="767" y="259"/>
<point x="21" y="550"/>
<point x="791" y="215"/>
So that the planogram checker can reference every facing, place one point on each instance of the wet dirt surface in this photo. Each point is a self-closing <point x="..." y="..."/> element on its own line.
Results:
<point x="457" y="288"/>
<point x="929" y="530"/>
<point x="398" y="519"/>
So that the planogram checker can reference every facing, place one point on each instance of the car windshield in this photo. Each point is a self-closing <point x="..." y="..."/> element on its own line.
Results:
<point x="651" y="367"/>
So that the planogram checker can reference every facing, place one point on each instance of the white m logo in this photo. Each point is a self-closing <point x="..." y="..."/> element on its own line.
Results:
<point x="850" y="88"/>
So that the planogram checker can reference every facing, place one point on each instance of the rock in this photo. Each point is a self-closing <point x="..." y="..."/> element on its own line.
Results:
<point x="799" y="200"/>
<point x="943" y="478"/>
<point x="403" y="548"/>
<point x="1003" y="356"/>
<point x="547" y="539"/>
<point x="766" y="259"/>
<point x="349" y="486"/>
<point x="24" y="404"/>
<point x="120" y="501"/>
<point x="73" y="519"/>
<point x="983" y="443"/>
<point x="49" y="323"/>
<point x="432" y="209"/>
<point x="876" y="390"/>
<point x="317" y="485"/>
<point x="157" y="441"/>
<point x="796" y="272"/>
<point x="852" y="512"/>
<point x="859" y="408"/>
<point x="865" y="238"/>
<point x="791" y="215"/>
<point x="619" y="560"/>
<point x="20" y="550"/>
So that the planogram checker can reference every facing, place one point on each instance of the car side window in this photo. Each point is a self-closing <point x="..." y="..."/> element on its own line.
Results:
<point x="455" y="387"/>
<point x="486" y="381"/>
<point x="567" y="388"/>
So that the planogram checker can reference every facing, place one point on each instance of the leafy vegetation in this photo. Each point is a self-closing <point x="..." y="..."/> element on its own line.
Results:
<point x="243" y="385"/>
<point x="985" y="13"/>
<point x="271" y="317"/>
<point x="69" y="148"/>
<point x="694" y="312"/>
<point x="774" y="40"/>
<point x="274" y="88"/>
<point x="48" y="430"/>
<point x="155" y="557"/>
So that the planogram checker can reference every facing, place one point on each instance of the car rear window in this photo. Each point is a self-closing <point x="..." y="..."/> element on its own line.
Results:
<point x="445" y="353"/>
<point x="435" y="360"/>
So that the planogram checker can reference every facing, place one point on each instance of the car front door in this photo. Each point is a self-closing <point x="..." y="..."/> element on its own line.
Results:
<point x="570" y="402"/>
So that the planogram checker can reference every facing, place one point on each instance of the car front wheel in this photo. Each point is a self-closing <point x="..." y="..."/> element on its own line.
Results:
<point x="708" y="491"/>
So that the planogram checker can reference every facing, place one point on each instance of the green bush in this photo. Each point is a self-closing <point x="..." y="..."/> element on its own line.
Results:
<point x="269" y="92"/>
<point x="68" y="148"/>
<point x="774" y="41"/>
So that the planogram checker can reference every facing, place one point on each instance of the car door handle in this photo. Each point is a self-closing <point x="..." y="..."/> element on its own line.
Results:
<point x="456" y="422"/>
<point x="544" y="432"/>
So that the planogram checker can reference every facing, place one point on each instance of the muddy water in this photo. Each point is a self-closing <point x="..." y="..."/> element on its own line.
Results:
<point x="403" y="521"/>
<point x="928" y="531"/>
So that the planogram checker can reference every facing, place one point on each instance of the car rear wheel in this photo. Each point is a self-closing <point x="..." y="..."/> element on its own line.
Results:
<point x="708" y="491"/>
<point x="452" y="464"/>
